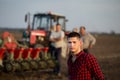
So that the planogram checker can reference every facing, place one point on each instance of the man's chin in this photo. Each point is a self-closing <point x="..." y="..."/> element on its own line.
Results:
<point x="72" y="51"/>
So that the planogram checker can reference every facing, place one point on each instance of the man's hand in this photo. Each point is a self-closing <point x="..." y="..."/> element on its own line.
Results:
<point x="90" y="46"/>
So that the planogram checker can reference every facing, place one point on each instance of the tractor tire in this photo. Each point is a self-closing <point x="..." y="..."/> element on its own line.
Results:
<point x="9" y="67"/>
<point x="43" y="64"/>
<point x="34" y="64"/>
<point x="51" y="63"/>
<point x="25" y="65"/>
<point x="18" y="66"/>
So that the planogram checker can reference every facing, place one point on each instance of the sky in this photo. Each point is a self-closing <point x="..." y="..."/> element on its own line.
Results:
<point x="95" y="15"/>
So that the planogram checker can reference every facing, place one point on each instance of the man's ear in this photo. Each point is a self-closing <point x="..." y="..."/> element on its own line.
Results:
<point x="81" y="43"/>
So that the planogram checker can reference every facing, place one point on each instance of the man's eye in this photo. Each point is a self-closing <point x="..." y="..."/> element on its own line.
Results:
<point x="74" y="42"/>
<point x="69" y="42"/>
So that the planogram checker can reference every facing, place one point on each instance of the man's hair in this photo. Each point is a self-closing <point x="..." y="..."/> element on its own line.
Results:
<point x="74" y="34"/>
<point x="58" y="24"/>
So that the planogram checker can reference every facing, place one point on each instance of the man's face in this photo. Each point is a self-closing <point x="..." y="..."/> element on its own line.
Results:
<point x="58" y="28"/>
<point x="74" y="44"/>
<point x="82" y="31"/>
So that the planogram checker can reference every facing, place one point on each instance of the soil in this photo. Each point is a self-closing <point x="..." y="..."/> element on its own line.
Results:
<point x="106" y="50"/>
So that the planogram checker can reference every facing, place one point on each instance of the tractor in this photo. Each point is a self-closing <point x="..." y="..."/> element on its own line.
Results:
<point x="41" y="26"/>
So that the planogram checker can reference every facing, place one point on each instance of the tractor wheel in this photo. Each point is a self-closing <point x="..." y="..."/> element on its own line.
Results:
<point x="51" y="63"/>
<point x="43" y="64"/>
<point x="9" y="67"/>
<point x="25" y="65"/>
<point x="34" y="64"/>
<point x="18" y="66"/>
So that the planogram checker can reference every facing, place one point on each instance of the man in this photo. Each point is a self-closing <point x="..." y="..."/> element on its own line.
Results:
<point x="57" y="38"/>
<point x="87" y="39"/>
<point x="81" y="66"/>
<point x="75" y="29"/>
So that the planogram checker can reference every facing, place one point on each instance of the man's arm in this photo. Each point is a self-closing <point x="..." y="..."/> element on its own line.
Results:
<point x="52" y="37"/>
<point x="94" y="68"/>
<point x="61" y="37"/>
<point x="92" y="40"/>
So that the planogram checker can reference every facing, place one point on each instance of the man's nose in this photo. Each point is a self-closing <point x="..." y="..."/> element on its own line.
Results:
<point x="71" y="44"/>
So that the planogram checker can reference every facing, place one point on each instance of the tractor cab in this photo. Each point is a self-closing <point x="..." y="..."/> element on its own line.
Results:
<point x="44" y="21"/>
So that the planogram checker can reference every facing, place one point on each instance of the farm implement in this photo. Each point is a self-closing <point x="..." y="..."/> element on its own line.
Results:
<point x="25" y="59"/>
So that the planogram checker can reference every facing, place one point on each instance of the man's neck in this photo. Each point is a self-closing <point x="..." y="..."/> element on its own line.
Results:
<point x="58" y="30"/>
<point x="77" y="52"/>
<point x="74" y="55"/>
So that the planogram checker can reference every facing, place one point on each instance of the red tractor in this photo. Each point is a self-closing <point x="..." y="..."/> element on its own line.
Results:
<point x="41" y="26"/>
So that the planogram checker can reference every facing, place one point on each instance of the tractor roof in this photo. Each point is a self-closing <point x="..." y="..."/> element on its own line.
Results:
<point x="50" y="14"/>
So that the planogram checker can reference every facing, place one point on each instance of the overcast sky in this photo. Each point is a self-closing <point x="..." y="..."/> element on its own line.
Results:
<point x="96" y="15"/>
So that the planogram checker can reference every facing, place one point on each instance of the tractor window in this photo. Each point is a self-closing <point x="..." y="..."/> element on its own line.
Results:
<point x="41" y="22"/>
<point x="36" y="22"/>
<point x="44" y="23"/>
<point x="62" y="22"/>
